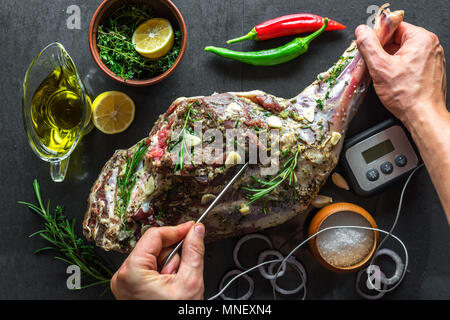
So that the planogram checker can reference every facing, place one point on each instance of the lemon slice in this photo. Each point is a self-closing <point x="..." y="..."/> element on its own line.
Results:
<point x="112" y="112"/>
<point x="154" y="38"/>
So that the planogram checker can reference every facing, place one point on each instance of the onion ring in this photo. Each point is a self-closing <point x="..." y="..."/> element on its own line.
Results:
<point x="245" y="239"/>
<point x="399" y="266"/>
<point x="365" y="295"/>
<point x="262" y="270"/>
<point x="251" y="285"/>
<point x="301" y="271"/>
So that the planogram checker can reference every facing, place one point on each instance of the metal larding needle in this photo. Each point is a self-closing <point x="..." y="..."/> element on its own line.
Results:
<point x="207" y="210"/>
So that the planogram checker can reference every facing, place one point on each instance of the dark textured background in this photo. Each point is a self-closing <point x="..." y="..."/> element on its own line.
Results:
<point x="27" y="26"/>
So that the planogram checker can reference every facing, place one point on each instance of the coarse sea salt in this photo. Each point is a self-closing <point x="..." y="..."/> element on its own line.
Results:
<point x="345" y="247"/>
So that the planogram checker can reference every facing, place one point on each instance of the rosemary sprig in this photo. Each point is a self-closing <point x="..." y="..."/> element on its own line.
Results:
<point x="118" y="52"/>
<point x="126" y="182"/>
<point x="181" y="139"/>
<point x="71" y="248"/>
<point x="286" y="172"/>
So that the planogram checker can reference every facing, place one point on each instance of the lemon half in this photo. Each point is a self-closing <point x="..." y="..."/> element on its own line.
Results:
<point x="154" y="38"/>
<point x="112" y="112"/>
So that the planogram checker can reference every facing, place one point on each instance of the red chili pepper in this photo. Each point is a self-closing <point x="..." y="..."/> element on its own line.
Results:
<point x="288" y="25"/>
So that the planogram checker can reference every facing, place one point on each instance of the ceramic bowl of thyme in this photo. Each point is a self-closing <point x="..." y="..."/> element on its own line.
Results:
<point x="112" y="46"/>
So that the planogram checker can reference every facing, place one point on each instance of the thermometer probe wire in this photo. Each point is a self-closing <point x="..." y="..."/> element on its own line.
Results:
<point x="388" y="234"/>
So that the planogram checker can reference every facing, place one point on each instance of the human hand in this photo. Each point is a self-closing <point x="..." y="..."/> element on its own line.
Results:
<point x="409" y="73"/>
<point x="140" y="276"/>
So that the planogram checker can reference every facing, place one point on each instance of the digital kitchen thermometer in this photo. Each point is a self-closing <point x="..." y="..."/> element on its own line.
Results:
<point x="378" y="157"/>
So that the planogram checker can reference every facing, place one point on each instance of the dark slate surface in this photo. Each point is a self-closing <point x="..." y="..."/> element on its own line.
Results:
<point x="27" y="26"/>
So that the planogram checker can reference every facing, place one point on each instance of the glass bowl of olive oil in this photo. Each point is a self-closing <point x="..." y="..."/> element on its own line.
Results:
<point x="56" y="108"/>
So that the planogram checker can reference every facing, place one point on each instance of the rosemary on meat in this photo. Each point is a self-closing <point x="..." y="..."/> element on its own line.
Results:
<point x="71" y="248"/>
<point x="335" y="72"/>
<point x="126" y="182"/>
<point x="117" y="51"/>
<point x="287" y="172"/>
<point x="181" y="139"/>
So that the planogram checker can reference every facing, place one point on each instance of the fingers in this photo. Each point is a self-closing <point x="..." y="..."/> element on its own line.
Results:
<point x="113" y="286"/>
<point x="444" y="80"/>
<point x="370" y="47"/>
<point x="173" y="264"/>
<point x="154" y="240"/>
<point x="138" y="277"/>
<point x="413" y="39"/>
<point x="404" y="32"/>
<point x="191" y="265"/>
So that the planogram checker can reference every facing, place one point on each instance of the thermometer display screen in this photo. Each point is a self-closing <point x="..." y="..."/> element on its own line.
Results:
<point x="377" y="151"/>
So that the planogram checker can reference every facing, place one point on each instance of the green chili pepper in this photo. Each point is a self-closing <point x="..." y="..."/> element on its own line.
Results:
<point x="271" y="57"/>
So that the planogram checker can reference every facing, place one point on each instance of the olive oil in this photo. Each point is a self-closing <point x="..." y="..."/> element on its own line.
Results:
<point x="57" y="111"/>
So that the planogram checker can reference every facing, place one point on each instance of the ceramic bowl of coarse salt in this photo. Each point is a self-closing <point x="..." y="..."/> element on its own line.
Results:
<point x="343" y="249"/>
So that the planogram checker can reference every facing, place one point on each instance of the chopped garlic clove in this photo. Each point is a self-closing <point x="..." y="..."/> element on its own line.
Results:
<point x="335" y="137"/>
<point x="339" y="181"/>
<point x="234" y="107"/>
<point x="308" y="113"/>
<point x="274" y="122"/>
<point x="207" y="198"/>
<point x="324" y="142"/>
<point x="149" y="186"/>
<point x="244" y="209"/>
<point x="233" y="158"/>
<point x="321" y="201"/>
<point x="192" y="140"/>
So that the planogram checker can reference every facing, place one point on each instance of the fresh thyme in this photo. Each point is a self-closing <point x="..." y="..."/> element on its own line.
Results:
<point x="71" y="248"/>
<point x="118" y="52"/>
<point x="181" y="139"/>
<point x="126" y="182"/>
<point x="286" y="172"/>
<point x="319" y="104"/>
